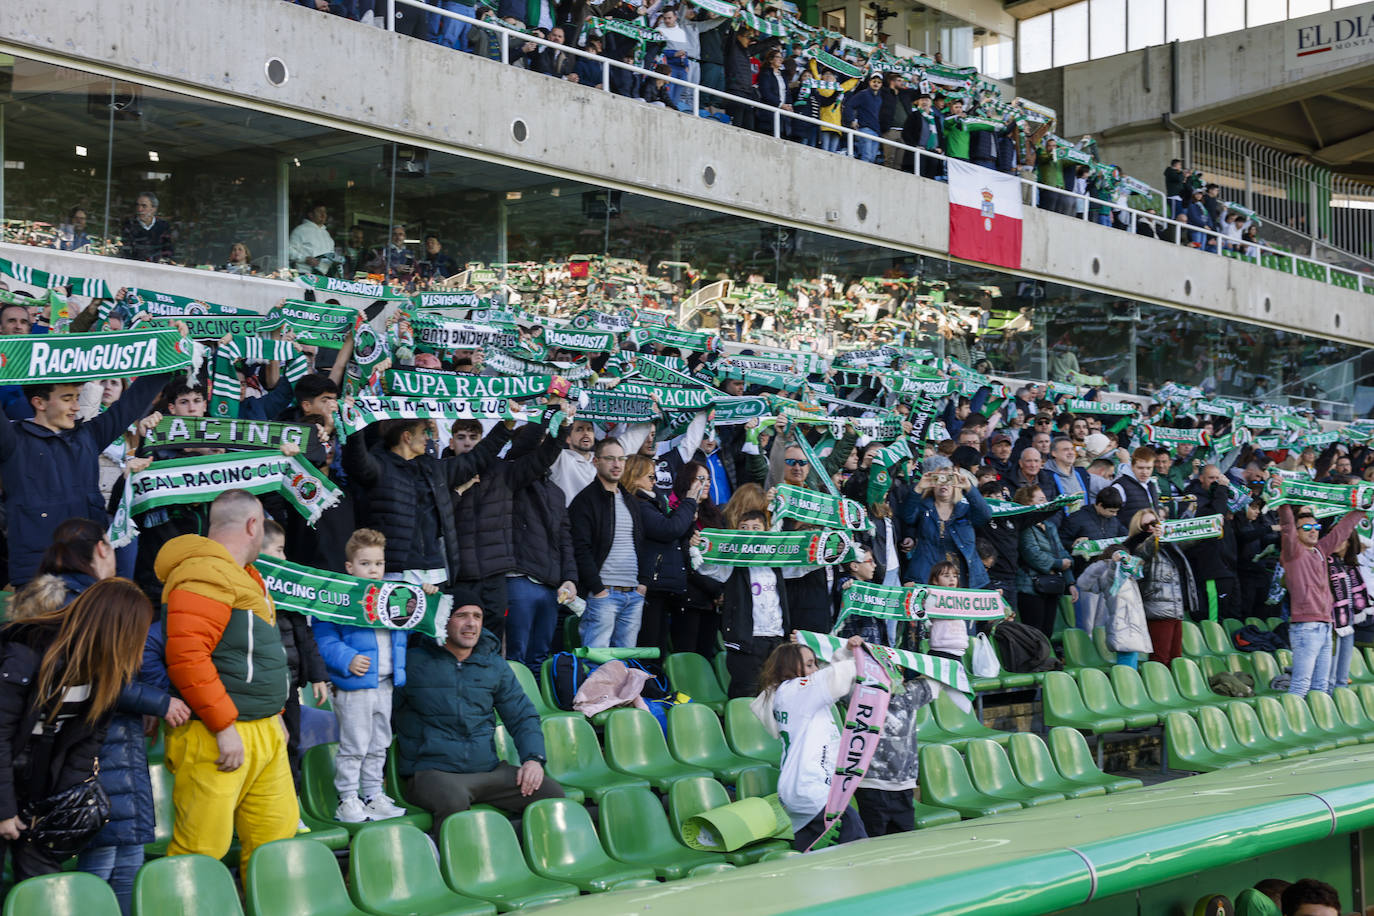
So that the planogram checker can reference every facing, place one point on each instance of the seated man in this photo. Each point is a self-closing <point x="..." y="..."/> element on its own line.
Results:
<point x="444" y="719"/>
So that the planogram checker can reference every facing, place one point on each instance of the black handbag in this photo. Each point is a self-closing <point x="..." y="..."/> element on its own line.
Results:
<point x="65" y="821"/>
<point x="1050" y="585"/>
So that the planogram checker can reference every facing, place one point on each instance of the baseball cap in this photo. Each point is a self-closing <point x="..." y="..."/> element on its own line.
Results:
<point x="1097" y="445"/>
<point x="999" y="437"/>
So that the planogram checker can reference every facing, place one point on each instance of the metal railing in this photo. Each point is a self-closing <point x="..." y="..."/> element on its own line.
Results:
<point x="1212" y="240"/>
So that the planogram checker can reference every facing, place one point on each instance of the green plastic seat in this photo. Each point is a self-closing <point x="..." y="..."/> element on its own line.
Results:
<point x="930" y="732"/>
<point x="1246" y="726"/>
<point x="164" y="812"/>
<point x="1194" y="645"/>
<point x="1075" y="762"/>
<point x="395" y="787"/>
<point x="722" y="671"/>
<point x="1265" y="668"/>
<point x="1295" y="712"/>
<point x="635" y="745"/>
<point x="961" y="723"/>
<point x="1107" y="653"/>
<point x="1348" y="705"/>
<point x="1193" y="686"/>
<point x="187" y="885"/>
<point x="1187" y="750"/>
<point x="1359" y="671"/>
<point x="635" y="830"/>
<point x="1035" y="769"/>
<point x="1131" y="693"/>
<point x="1272" y="623"/>
<point x="572" y="632"/>
<point x="1063" y="706"/>
<point x="1231" y="625"/>
<point x="392" y="872"/>
<point x="1258" y="622"/>
<point x="695" y="737"/>
<point x="296" y="877"/>
<point x="1327" y="718"/>
<point x="1366" y="694"/>
<point x="1079" y="651"/>
<point x="157" y="744"/>
<point x="1096" y="689"/>
<point x="1159" y="682"/>
<point x="691" y="674"/>
<point x="561" y="843"/>
<point x="945" y="782"/>
<point x="1216" y="730"/>
<point x="1284" y="657"/>
<point x="991" y="772"/>
<point x="1214" y="664"/>
<point x="690" y="797"/>
<point x="531" y="687"/>
<point x="746" y="733"/>
<point x="547" y="692"/>
<point x="757" y="782"/>
<point x="319" y="799"/>
<point x="575" y="759"/>
<point x="480" y="857"/>
<point x="1215" y="637"/>
<point x="74" y="893"/>
<point x="978" y="683"/>
<point x="1273" y="715"/>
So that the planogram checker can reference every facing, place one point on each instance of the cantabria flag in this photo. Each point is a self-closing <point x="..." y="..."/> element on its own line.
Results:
<point x="984" y="215"/>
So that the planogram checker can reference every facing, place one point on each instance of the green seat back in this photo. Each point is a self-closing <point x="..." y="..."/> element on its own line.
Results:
<point x="1359" y="671"/>
<point x="1062" y="705"/>
<point x="391" y="869"/>
<point x="74" y="893"/>
<point x="299" y="877"/>
<point x="531" y="687"/>
<point x="318" y="797"/>
<point x="1265" y="670"/>
<point x="481" y="858"/>
<point x="1130" y="690"/>
<point x="164" y="812"/>
<point x="187" y="885"/>
<point x="575" y="757"/>
<point x="1187" y="750"/>
<point x="1300" y="721"/>
<point x="1194" y="645"/>
<point x="1274" y="720"/>
<point x="1216" y="732"/>
<point x="157" y="744"/>
<point x="1079" y="651"/>
<point x="695" y="737"/>
<point x="1075" y="762"/>
<point x="1348" y="705"/>
<point x="505" y="746"/>
<point x="1034" y="767"/>
<point x="1104" y="651"/>
<point x="1284" y="657"/>
<point x="561" y="843"/>
<point x="1231" y="625"/>
<point x="747" y="735"/>
<point x="930" y="731"/>
<point x="1258" y="622"/>
<point x="945" y="782"/>
<point x="1249" y="731"/>
<point x="956" y="721"/>
<point x="635" y="830"/>
<point x="1192" y="686"/>
<point x="1098" y="695"/>
<point x="691" y="674"/>
<point x="1214" y="636"/>
<point x="757" y="782"/>
<point x="991" y="772"/>
<point x="1160" y="684"/>
<point x="635" y="745"/>
<point x="689" y="797"/>
<point x="1328" y="719"/>
<point x="718" y="664"/>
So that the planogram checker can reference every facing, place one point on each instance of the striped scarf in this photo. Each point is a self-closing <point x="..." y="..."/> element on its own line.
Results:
<point x="225" y="390"/>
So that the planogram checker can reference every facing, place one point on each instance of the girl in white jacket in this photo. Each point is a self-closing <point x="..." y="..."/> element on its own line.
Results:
<point x="794" y="704"/>
<point x="1108" y="587"/>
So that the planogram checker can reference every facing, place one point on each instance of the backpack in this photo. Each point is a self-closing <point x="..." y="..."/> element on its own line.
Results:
<point x="1251" y="638"/>
<point x="657" y="686"/>
<point x="1024" y="649"/>
<point x="566" y="673"/>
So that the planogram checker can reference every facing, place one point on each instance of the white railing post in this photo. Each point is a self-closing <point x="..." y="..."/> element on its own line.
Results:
<point x="696" y="99"/>
<point x="606" y="74"/>
<point x="505" y="46"/>
<point x="849" y="135"/>
<point x="391" y="15"/>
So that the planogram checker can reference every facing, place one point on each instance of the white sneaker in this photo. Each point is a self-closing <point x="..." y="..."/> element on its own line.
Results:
<point x="351" y="810"/>
<point x="380" y="807"/>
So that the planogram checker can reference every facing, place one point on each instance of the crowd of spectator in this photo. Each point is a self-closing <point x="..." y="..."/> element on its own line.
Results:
<point x="521" y="519"/>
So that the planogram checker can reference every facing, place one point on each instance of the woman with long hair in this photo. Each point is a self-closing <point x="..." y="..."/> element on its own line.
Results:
<point x="942" y="511"/>
<point x="662" y="555"/>
<point x="79" y="556"/>
<point x="748" y="497"/>
<point x="1349" y="604"/>
<point x="794" y="704"/>
<point x="696" y="622"/>
<point x="1045" y="571"/>
<point x="63" y="673"/>
<point x="1166" y="585"/>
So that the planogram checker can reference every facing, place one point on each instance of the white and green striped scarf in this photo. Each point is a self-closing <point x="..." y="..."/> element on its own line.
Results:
<point x="944" y="670"/>
<point x="350" y="601"/>
<point x="81" y="286"/>
<point x="225" y="390"/>
<point x="199" y="479"/>
<point x="812" y="508"/>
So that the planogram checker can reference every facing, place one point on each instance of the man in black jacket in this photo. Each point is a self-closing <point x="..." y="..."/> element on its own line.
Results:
<point x="606" y="541"/>
<point x="740" y="47"/>
<point x="1096" y="522"/>
<point x="407" y="495"/>
<point x="144" y="237"/>
<point x="1214" y="560"/>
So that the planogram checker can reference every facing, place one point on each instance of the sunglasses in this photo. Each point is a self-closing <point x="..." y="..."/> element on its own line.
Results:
<point x="796" y="462"/>
<point x="1310" y="527"/>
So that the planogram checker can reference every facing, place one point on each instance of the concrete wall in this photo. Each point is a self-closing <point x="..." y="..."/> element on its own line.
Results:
<point x="356" y="78"/>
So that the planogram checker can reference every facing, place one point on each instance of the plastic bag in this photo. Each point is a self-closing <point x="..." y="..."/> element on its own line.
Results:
<point x="985" y="662"/>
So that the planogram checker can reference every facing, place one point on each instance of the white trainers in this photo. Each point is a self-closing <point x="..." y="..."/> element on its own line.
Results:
<point x="380" y="807"/>
<point x="351" y="810"/>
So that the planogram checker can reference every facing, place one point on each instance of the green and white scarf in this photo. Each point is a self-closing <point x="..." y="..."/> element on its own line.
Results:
<point x="664" y="370"/>
<point x="731" y="411"/>
<point x="1171" y="437"/>
<point x="945" y="670"/>
<point x="725" y="547"/>
<point x="1174" y="531"/>
<point x="880" y="472"/>
<point x="696" y="341"/>
<point x="456" y="299"/>
<point x="34" y="359"/>
<point x="226" y="392"/>
<point x="167" y="305"/>
<point x="505" y="363"/>
<point x="208" y="432"/>
<point x="672" y="397"/>
<point x="1101" y="408"/>
<point x="576" y="341"/>
<point x="838" y="65"/>
<point x="443" y="333"/>
<point x="1000" y="508"/>
<point x="315" y="323"/>
<point x="368" y="410"/>
<point x="462" y="386"/>
<point x="1290" y="491"/>
<point x="81" y="286"/>
<point x="350" y="601"/>
<point x="917" y="602"/>
<point x="616" y="406"/>
<point x="367" y="289"/>
<point x="201" y="478"/>
<point x="820" y="509"/>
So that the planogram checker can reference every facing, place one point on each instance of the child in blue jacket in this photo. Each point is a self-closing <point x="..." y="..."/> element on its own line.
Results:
<point x="364" y="664"/>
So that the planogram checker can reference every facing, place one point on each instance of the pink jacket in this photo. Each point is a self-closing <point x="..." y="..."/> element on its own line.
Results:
<point x="1304" y="570"/>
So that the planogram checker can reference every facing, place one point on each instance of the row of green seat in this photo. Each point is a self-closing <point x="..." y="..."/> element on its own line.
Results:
<point x="990" y="779"/>
<point x="1265" y="729"/>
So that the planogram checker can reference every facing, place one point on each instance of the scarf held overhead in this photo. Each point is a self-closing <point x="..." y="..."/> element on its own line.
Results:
<point x="348" y="600"/>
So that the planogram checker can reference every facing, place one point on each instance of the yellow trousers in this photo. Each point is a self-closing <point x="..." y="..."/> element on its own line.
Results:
<point x="258" y="800"/>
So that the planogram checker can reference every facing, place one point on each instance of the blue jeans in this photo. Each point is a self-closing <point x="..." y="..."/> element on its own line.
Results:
<point x="1311" y="656"/>
<point x="115" y="864"/>
<point x="867" y="150"/>
<point x="450" y="32"/>
<point x="830" y="141"/>
<point x="1340" y="666"/>
<point x="612" y="621"/>
<point x="531" y="617"/>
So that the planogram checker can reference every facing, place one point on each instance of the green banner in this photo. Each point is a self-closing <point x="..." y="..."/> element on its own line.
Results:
<point x="724" y="547"/>
<point x="314" y="322"/>
<point x="433" y="330"/>
<point x="458" y="299"/>
<point x="697" y="341"/>
<point x="344" y="599"/>
<point x="821" y="509"/>
<point x="576" y="341"/>
<point x="444" y="385"/>
<point x="71" y="358"/>
<point x="201" y="478"/>
<point x="209" y="432"/>
<point x="364" y="288"/>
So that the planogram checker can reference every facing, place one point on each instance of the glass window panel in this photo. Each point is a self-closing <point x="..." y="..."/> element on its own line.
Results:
<point x="1184" y="20"/>
<point x="1071" y="34"/>
<point x="1341" y="4"/>
<point x="1225" y="16"/>
<point x="1108" y="28"/>
<point x="1297" y="8"/>
<point x="1036" y="37"/>
<point x="1144" y="24"/>
<point x="1262" y="12"/>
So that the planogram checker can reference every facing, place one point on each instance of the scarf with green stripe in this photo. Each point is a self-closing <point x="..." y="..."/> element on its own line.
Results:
<point x="463" y="386"/>
<point x="160" y="304"/>
<point x="696" y="341"/>
<point x="34" y="359"/>
<point x="1000" y="508"/>
<point x="944" y="670"/>
<point x="1175" y="531"/>
<point x="499" y="360"/>
<point x="838" y="65"/>
<point x="819" y="509"/>
<point x="314" y="323"/>
<point x="350" y="601"/>
<point x="575" y="340"/>
<point x="443" y="333"/>
<point x="368" y="410"/>
<point x="367" y="289"/>
<point x="208" y="432"/>
<point x="886" y="461"/>
<point x="80" y="286"/>
<point x="1294" y="491"/>
<point x="918" y="602"/>
<point x="726" y="547"/>
<point x="225" y="391"/>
